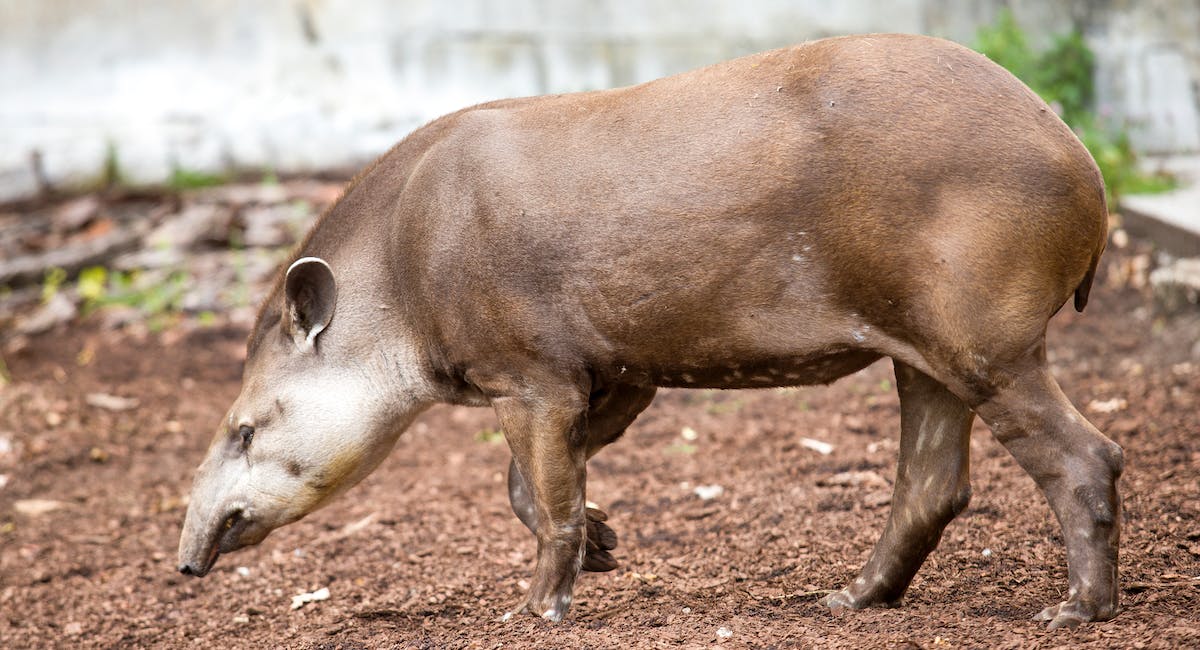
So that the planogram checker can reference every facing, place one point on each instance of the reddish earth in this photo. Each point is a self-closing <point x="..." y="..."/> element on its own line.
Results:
<point x="425" y="552"/>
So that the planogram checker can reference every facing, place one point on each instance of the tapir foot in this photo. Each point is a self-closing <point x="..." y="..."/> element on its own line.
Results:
<point x="600" y="540"/>
<point x="1073" y="613"/>
<point x="552" y="608"/>
<point x="851" y="598"/>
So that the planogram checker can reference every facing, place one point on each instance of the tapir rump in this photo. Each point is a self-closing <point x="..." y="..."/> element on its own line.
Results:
<point x="782" y="219"/>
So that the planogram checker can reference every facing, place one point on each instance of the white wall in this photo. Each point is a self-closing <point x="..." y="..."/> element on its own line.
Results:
<point x="208" y="85"/>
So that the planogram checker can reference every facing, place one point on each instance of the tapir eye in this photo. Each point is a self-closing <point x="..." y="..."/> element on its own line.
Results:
<point x="247" y="433"/>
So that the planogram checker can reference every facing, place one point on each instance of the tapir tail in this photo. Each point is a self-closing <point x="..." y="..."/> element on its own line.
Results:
<point x="1085" y="286"/>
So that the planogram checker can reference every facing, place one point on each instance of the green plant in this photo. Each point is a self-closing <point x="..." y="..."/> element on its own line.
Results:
<point x="53" y="280"/>
<point x="111" y="174"/>
<point x="1063" y="76"/>
<point x="490" y="435"/>
<point x="157" y="297"/>
<point x="186" y="179"/>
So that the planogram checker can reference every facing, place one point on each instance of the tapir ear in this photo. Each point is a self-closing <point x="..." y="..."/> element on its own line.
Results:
<point x="309" y="297"/>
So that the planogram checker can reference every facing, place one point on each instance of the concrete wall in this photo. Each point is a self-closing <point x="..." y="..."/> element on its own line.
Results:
<point x="300" y="85"/>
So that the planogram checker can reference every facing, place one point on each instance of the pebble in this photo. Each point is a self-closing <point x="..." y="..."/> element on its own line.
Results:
<point x="37" y="507"/>
<point x="823" y="448"/>
<point x="110" y="402"/>
<point x="301" y="600"/>
<point x="854" y="479"/>
<point x="724" y="632"/>
<point x="59" y="309"/>
<point x="708" y="492"/>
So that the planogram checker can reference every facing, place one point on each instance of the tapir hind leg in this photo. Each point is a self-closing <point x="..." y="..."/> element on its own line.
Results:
<point x="932" y="487"/>
<point x="610" y="412"/>
<point x="1077" y="468"/>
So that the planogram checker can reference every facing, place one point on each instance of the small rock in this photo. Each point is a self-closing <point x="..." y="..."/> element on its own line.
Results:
<point x="1177" y="284"/>
<point x="3" y="480"/>
<point x="37" y="507"/>
<point x="242" y="193"/>
<point x="823" y="448"/>
<point x="724" y="632"/>
<point x="59" y="309"/>
<point x="74" y="628"/>
<point x="1108" y="406"/>
<point x="241" y="619"/>
<point x="98" y="455"/>
<point x="110" y="402"/>
<point x="194" y="225"/>
<point x="272" y="226"/>
<point x="149" y="258"/>
<point x="301" y="600"/>
<point x="115" y="317"/>
<point x="987" y="553"/>
<point x="76" y="214"/>
<point x="243" y="571"/>
<point x="1120" y="238"/>
<point x="708" y="492"/>
<point x="6" y="446"/>
<point x="877" y="499"/>
<point x="688" y="434"/>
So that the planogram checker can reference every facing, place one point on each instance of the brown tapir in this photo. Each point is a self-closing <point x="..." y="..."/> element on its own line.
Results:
<point x="783" y="219"/>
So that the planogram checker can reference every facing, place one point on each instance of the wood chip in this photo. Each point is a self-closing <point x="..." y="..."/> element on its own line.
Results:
<point x="110" y="402"/>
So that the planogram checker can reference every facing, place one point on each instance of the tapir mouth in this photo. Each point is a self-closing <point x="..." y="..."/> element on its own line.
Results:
<point x="225" y="538"/>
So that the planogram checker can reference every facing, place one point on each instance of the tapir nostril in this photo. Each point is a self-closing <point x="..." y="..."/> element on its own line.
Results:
<point x="187" y="570"/>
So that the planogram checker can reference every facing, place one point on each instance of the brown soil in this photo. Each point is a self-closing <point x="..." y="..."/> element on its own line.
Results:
<point x="425" y="552"/>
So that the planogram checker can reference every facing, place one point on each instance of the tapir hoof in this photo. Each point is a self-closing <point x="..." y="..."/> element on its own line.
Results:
<point x="600" y="540"/>
<point x="842" y="600"/>
<point x="1071" y="614"/>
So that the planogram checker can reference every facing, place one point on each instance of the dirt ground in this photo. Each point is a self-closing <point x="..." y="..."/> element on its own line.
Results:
<point x="426" y="554"/>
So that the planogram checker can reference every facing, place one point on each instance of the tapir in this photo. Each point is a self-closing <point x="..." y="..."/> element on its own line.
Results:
<point x="782" y="219"/>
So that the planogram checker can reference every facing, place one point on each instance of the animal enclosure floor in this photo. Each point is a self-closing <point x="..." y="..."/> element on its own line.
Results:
<point x="425" y="552"/>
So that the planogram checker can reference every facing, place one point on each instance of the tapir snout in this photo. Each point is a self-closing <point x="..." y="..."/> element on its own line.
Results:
<point x="782" y="219"/>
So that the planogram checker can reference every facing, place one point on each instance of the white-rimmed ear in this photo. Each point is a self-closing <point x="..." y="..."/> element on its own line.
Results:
<point x="309" y="298"/>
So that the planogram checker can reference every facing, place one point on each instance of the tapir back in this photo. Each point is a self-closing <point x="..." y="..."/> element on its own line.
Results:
<point x="789" y="204"/>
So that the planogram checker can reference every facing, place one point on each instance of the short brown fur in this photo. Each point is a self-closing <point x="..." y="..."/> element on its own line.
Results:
<point x="782" y="219"/>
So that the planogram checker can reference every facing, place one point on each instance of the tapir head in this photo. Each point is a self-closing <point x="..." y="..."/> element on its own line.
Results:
<point x="322" y="403"/>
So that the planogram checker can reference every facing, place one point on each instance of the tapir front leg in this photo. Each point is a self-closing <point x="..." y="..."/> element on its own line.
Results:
<point x="932" y="486"/>
<point x="610" y="412"/>
<point x="546" y="433"/>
